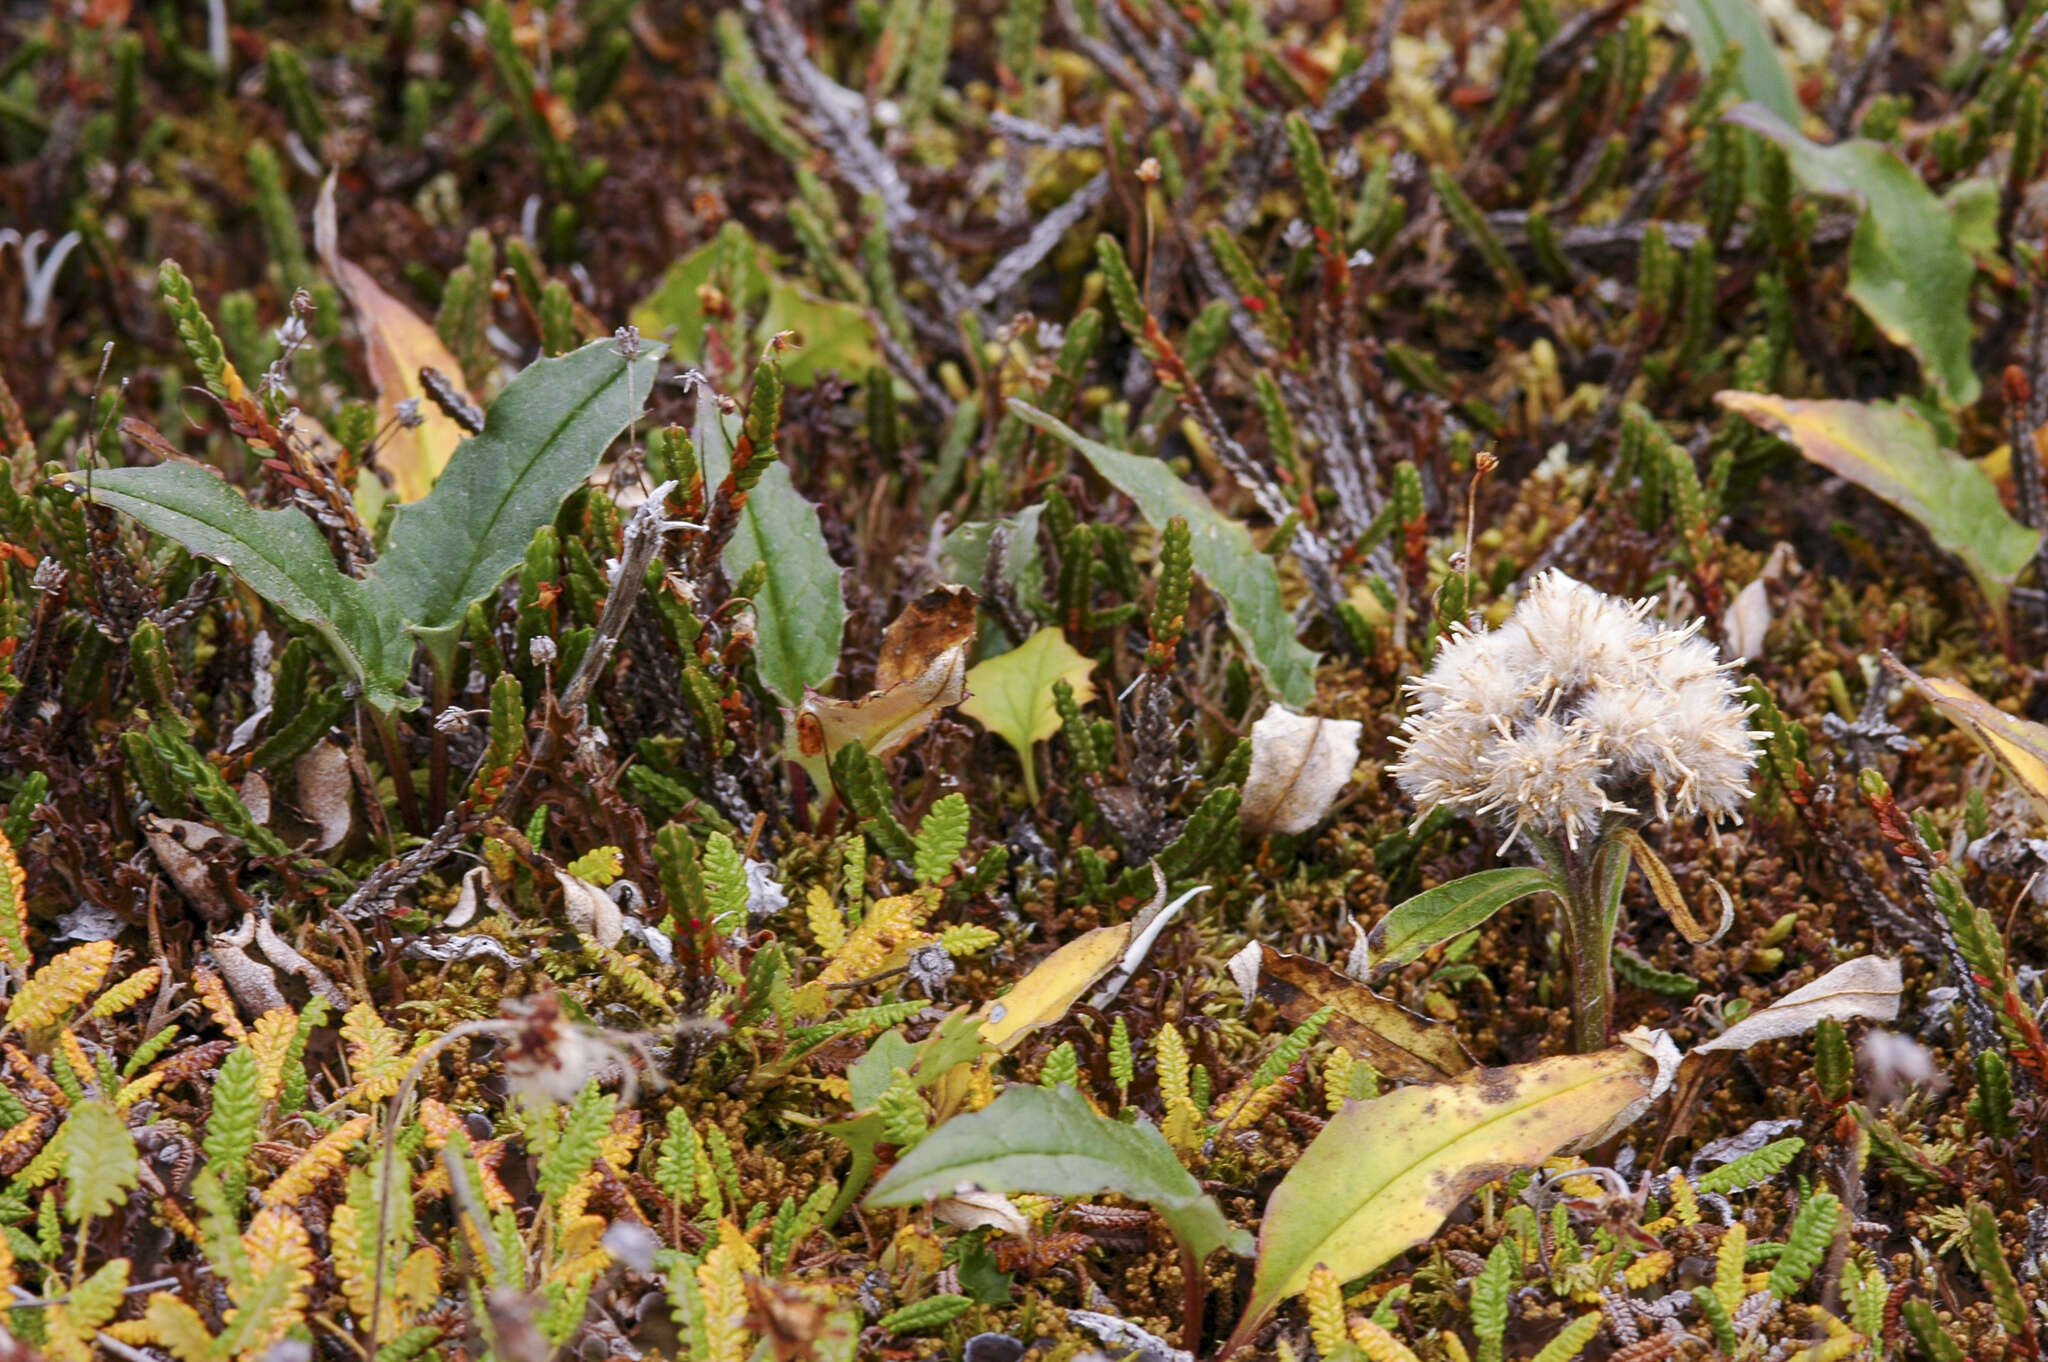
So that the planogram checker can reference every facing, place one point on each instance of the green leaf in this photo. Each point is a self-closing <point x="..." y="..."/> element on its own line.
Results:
<point x="280" y="555"/>
<point x="799" y="613"/>
<point x="1011" y="694"/>
<point x="1049" y="1141"/>
<point x="922" y="1315"/>
<point x="1715" y="24"/>
<point x="725" y="884"/>
<point x="1383" y="1174"/>
<point x="1439" y="914"/>
<point x="941" y="837"/>
<point x="1223" y="551"/>
<point x="544" y="435"/>
<point x="232" y="1124"/>
<point x="1892" y="452"/>
<point x="1907" y="266"/>
<point x="835" y="335"/>
<point x="100" y="1163"/>
<point x="963" y="557"/>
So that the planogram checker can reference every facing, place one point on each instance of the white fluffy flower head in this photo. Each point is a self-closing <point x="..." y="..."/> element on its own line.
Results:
<point x="1580" y="708"/>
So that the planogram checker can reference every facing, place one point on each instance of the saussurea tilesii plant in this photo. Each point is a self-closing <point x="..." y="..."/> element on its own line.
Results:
<point x="1576" y="723"/>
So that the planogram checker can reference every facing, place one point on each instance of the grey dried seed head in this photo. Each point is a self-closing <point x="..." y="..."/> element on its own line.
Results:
<point x="1578" y="709"/>
<point x="929" y="967"/>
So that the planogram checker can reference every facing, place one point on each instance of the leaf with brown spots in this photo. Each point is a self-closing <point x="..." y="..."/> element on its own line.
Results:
<point x="1384" y="1174"/>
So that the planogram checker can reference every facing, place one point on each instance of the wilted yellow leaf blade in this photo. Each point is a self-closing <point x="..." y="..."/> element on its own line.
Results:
<point x="397" y="342"/>
<point x="1044" y="995"/>
<point x="2019" y="746"/>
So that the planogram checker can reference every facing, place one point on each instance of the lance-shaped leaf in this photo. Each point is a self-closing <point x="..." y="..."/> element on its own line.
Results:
<point x="1392" y="1039"/>
<point x="1715" y="25"/>
<point x="799" y="612"/>
<point x="544" y="435"/>
<point x="1437" y="915"/>
<point x="2019" y="746"/>
<point x="280" y="555"/>
<point x="1890" y="451"/>
<point x="1867" y="986"/>
<point x="1050" y="1141"/>
<point x="1223" y="552"/>
<point x="1054" y="984"/>
<point x="1908" y="269"/>
<point x="1384" y="1174"/>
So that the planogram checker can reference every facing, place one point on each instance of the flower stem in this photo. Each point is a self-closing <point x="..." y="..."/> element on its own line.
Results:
<point x="1590" y="882"/>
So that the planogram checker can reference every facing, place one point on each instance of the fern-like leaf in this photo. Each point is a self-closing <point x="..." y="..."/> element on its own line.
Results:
<point x="941" y="838"/>
<point x="231" y="1128"/>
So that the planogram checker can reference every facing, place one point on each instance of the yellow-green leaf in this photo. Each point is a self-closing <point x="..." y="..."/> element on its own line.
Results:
<point x="1011" y="693"/>
<point x="1384" y="1174"/>
<point x="1890" y="451"/>
<point x="100" y="1163"/>
<point x="2019" y="746"/>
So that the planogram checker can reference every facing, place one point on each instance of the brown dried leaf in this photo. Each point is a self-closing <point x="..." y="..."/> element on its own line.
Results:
<point x="1394" y="1040"/>
<point x="325" y="793"/>
<point x="922" y="669"/>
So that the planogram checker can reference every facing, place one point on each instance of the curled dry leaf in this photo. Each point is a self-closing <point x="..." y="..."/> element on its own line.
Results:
<point x="398" y="343"/>
<point x="922" y="669"/>
<point x="253" y="983"/>
<point x="591" y="910"/>
<point x="973" y="1209"/>
<point x="181" y="846"/>
<point x="1747" y="619"/>
<point x="1394" y="1040"/>
<point x="325" y="792"/>
<point x="2019" y="746"/>
<point x="1867" y="986"/>
<point x="1299" y="765"/>
<point x="254" y="792"/>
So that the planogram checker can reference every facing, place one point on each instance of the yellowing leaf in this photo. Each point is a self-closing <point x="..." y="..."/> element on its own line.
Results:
<point x="55" y="990"/>
<point x="398" y="343"/>
<point x="1044" y="995"/>
<point x="271" y="1038"/>
<point x="1891" y="452"/>
<point x="177" y="1327"/>
<point x="2019" y="746"/>
<point x="322" y="1159"/>
<point x="1011" y="694"/>
<point x="1384" y="1174"/>
<point x="376" y="1054"/>
<point x="13" y="908"/>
